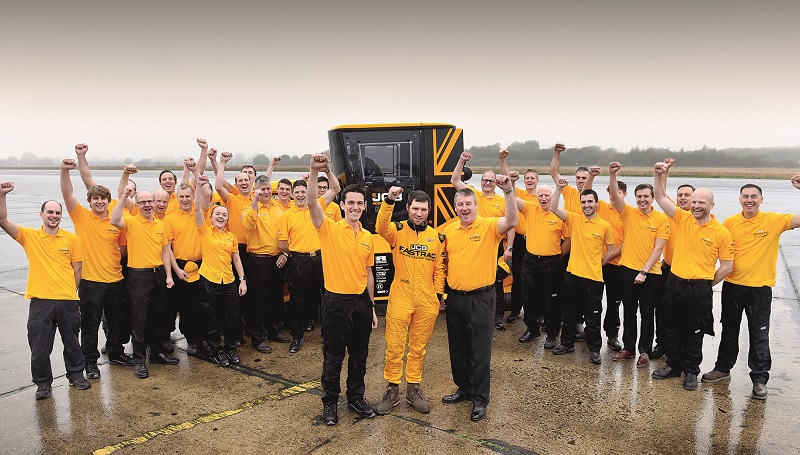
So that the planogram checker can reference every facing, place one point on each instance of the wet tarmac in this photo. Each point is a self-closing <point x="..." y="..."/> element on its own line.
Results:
<point x="540" y="403"/>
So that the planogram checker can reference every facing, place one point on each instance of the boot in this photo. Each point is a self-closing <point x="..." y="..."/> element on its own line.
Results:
<point x="415" y="398"/>
<point x="390" y="399"/>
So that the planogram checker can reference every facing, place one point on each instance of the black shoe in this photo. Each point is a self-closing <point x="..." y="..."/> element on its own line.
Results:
<point x="204" y="350"/>
<point x="614" y="344"/>
<point x="43" y="391"/>
<point x="297" y="343"/>
<point x="239" y="341"/>
<point x="330" y="413"/>
<point x="512" y="318"/>
<point x="499" y="324"/>
<point x="550" y="342"/>
<point x="233" y="356"/>
<point x="690" y="381"/>
<point x="167" y="347"/>
<point x="457" y="397"/>
<point x="80" y="383"/>
<point x="263" y="347"/>
<point x="311" y="325"/>
<point x="478" y="412"/>
<point x="527" y="337"/>
<point x="123" y="359"/>
<point x="141" y="371"/>
<point x="280" y="338"/>
<point x="92" y="372"/>
<point x="656" y="353"/>
<point x="666" y="373"/>
<point x="221" y="359"/>
<point x="163" y="359"/>
<point x="191" y="349"/>
<point x="580" y="336"/>
<point x="361" y="407"/>
<point x="561" y="349"/>
<point x="594" y="357"/>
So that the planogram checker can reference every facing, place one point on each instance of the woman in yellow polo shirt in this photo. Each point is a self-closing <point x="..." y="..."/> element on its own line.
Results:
<point x="218" y="292"/>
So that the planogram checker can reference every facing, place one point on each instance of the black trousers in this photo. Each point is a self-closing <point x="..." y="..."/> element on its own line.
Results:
<point x="499" y="290"/>
<point x="756" y="303"/>
<point x="639" y="299"/>
<point x="220" y="307"/>
<point x="688" y="317"/>
<point x="661" y="336"/>
<point x="518" y="285"/>
<point x="43" y="317"/>
<point x="612" y="277"/>
<point x="266" y="301"/>
<point x="469" y="335"/>
<point x="183" y="298"/>
<point x="305" y="283"/>
<point x="147" y="290"/>
<point x="97" y="298"/>
<point x="346" y="327"/>
<point x="583" y="300"/>
<point x="541" y="275"/>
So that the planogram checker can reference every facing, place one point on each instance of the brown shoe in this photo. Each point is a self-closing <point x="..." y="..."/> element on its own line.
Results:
<point x="715" y="376"/>
<point x="760" y="391"/>
<point x="415" y="398"/>
<point x="390" y="399"/>
<point x="643" y="360"/>
<point x="623" y="355"/>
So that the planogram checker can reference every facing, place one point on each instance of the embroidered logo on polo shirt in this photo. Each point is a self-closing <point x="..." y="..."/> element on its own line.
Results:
<point x="706" y="241"/>
<point x="597" y="236"/>
<point x="63" y="251"/>
<point x="760" y="233"/>
<point x="650" y="228"/>
<point x="475" y="238"/>
<point x="552" y="222"/>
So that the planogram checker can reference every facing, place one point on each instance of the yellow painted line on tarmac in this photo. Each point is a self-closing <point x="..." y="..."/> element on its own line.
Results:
<point x="175" y="428"/>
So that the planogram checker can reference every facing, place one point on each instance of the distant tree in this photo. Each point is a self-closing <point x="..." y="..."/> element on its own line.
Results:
<point x="28" y="159"/>
<point x="144" y="162"/>
<point x="261" y="160"/>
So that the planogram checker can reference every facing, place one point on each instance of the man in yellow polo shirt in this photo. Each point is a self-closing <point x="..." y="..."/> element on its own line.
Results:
<point x="471" y="248"/>
<point x="149" y="276"/>
<point x="168" y="183"/>
<point x="701" y="242"/>
<point x="748" y="288"/>
<point x="54" y="257"/>
<point x="646" y="233"/>
<point x="348" y="315"/>
<point x="332" y="211"/>
<point x="592" y="247"/>
<point x="100" y="289"/>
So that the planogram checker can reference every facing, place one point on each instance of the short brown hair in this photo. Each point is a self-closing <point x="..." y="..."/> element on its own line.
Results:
<point x="98" y="190"/>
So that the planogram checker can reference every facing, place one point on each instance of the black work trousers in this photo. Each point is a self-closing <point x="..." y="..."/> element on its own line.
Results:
<point x="756" y="303"/>
<point x="518" y="283"/>
<point x="96" y="298"/>
<point x="583" y="300"/>
<point x="469" y="334"/>
<point x="499" y="289"/>
<point x="346" y="327"/>
<point x="639" y="299"/>
<point x="147" y="289"/>
<point x="266" y="302"/>
<point x="612" y="277"/>
<point x="183" y="298"/>
<point x="44" y="316"/>
<point x="305" y="283"/>
<point x="688" y="317"/>
<point x="541" y="275"/>
<point x="219" y="304"/>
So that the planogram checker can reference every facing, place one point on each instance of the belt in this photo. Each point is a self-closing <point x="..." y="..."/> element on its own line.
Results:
<point x="542" y="257"/>
<point x="157" y="268"/>
<point x="489" y="287"/>
<point x="257" y="255"/>
<point x="311" y="254"/>
<point x="684" y="280"/>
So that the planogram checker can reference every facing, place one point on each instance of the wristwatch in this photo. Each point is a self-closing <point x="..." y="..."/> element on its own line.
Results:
<point x="643" y="272"/>
<point x="242" y="278"/>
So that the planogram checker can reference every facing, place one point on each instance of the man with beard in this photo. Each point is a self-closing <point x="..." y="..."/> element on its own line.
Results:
<point x="54" y="273"/>
<point x="414" y="296"/>
<point x="748" y="288"/>
<point x="701" y="242"/>
<point x="472" y="262"/>
<point x="348" y="315"/>
<point x="591" y="248"/>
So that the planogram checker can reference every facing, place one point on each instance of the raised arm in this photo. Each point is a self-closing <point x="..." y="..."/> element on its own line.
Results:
<point x="203" y="158"/>
<point x="67" y="192"/>
<point x="555" y="162"/>
<point x="220" y="182"/>
<point x="509" y="221"/>
<point x="11" y="228"/>
<point x="613" y="186"/>
<point x="660" y="190"/>
<point x="594" y="171"/>
<point x="455" y="179"/>
<point x="127" y="171"/>
<point x="83" y="165"/>
<point x="559" y="212"/>
<point x="202" y="184"/>
<point x="116" y="218"/>
<point x="503" y="155"/>
<point x="333" y="186"/>
<point x="383" y="226"/>
<point x="796" y="218"/>
<point x="318" y="162"/>
<point x="186" y="177"/>
<point x="275" y="160"/>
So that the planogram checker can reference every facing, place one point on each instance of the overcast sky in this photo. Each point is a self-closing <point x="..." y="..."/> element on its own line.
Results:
<point x="145" y="78"/>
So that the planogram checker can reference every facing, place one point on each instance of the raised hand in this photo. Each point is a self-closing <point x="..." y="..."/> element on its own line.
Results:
<point x="275" y="160"/>
<point x="81" y="149"/>
<point x="130" y="169"/>
<point x="503" y="154"/>
<point x="796" y="181"/>
<point x="189" y="163"/>
<point x="466" y="156"/>
<point x="514" y="176"/>
<point x="660" y="168"/>
<point x="614" y="167"/>
<point x="559" y="147"/>
<point x="225" y="157"/>
<point x="504" y="182"/>
<point x="594" y="170"/>
<point x="202" y="143"/>
<point x="130" y="190"/>
<point x="669" y="162"/>
<point x="212" y="154"/>
<point x="394" y="193"/>
<point x="562" y="183"/>
<point x="6" y="187"/>
<point x="68" y="164"/>
<point x="318" y="162"/>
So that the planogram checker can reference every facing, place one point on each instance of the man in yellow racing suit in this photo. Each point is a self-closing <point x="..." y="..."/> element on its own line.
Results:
<point x="419" y="275"/>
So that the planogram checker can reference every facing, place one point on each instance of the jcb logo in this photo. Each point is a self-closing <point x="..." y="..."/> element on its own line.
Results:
<point x="378" y="197"/>
<point x="417" y="247"/>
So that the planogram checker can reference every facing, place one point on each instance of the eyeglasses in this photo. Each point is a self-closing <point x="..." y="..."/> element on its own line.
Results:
<point x="145" y="202"/>
<point x="487" y="181"/>
<point x="322" y="187"/>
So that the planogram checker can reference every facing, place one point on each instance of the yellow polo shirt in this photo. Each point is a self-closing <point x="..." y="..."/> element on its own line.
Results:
<point x="262" y="228"/>
<point x="589" y="240"/>
<point x="607" y="212"/>
<point x="346" y="254"/>
<point x="544" y="230"/>
<point x="145" y="240"/>
<point x="332" y="211"/>
<point x="173" y="203"/>
<point x="217" y="248"/>
<point x="523" y="194"/>
<point x="641" y="232"/>
<point x="492" y="206"/>
<point x="50" y="258"/>
<point x="699" y="247"/>
<point x="282" y="206"/>
<point x="572" y="199"/>
<point x="295" y="227"/>
<point x="471" y="253"/>
<point x="755" y="247"/>
<point x="182" y="230"/>
<point x="100" y="240"/>
<point x="236" y="204"/>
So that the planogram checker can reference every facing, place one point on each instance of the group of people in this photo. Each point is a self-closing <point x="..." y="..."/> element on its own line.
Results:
<point x="221" y="258"/>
